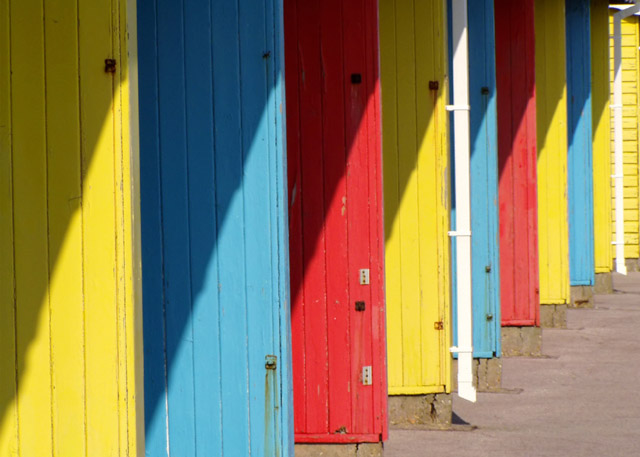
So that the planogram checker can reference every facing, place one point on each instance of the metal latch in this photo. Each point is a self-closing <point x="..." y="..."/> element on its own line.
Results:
<point x="361" y="306"/>
<point x="367" y="376"/>
<point x="270" y="362"/>
<point x="434" y="85"/>
<point x="110" y="65"/>
<point x="364" y="276"/>
<point x="438" y="325"/>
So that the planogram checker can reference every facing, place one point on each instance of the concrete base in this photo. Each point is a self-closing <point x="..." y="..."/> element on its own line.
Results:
<point x="420" y="411"/>
<point x="521" y="341"/>
<point x="487" y="375"/>
<point x="633" y="265"/>
<point x="553" y="316"/>
<point x="581" y="297"/>
<point x="604" y="284"/>
<point x="339" y="450"/>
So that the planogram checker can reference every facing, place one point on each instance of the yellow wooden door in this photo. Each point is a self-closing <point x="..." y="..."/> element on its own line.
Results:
<point x="630" y="81"/>
<point x="66" y="289"/>
<point x="551" y="118"/>
<point x="602" y="191"/>
<point x="415" y="158"/>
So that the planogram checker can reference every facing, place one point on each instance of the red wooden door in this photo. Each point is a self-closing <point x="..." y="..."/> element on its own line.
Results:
<point x="515" y="72"/>
<point x="336" y="233"/>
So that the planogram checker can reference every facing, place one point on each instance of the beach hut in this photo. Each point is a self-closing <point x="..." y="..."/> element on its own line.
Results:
<point x="551" y="128"/>
<point x="335" y="222"/>
<point x="417" y="204"/>
<point x="214" y="232"/>
<point x="515" y="82"/>
<point x="67" y="265"/>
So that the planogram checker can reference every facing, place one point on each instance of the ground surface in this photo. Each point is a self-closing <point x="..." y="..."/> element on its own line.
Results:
<point x="583" y="399"/>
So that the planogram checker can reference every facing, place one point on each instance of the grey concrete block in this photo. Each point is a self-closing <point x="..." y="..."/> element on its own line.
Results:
<point x="339" y="450"/>
<point x="553" y="316"/>
<point x="604" y="284"/>
<point x="521" y="341"/>
<point x="582" y="296"/>
<point x="487" y="375"/>
<point x="428" y="411"/>
<point x="633" y="265"/>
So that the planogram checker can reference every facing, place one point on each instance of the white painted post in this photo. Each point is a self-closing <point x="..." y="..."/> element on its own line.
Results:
<point x="617" y="106"/>
<point x="461" y="126"/>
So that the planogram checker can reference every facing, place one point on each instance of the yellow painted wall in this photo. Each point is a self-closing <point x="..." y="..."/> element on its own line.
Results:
<point x="602" y="191"/>
<point x="66" y="280"/>
<point x="630" y="76"/>
<point x="415" y="156"/>
<point x="551" y="118"/>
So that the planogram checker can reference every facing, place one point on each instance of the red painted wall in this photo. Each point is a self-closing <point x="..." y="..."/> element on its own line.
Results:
<point x="515" y="73"/>
<point x="335" y="197"/>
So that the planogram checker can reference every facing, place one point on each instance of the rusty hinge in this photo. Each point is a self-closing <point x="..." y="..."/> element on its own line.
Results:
<point x="109" y="65"/>
<point x="270" y="362"/>
<point x="434" y="85"/>
<point x="438" y="325"/>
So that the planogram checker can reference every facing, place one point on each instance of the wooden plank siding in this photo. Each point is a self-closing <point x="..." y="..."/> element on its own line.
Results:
<point x="515" y="70"/>
<point x="335" y="225"/>
<point x="601" y="118"/>
<point x="551" y="127"/>
<point x="630" y="125"/>
<point x="416" y="194"/>
<point x="214" y="236"/>
<point x="66" y="259"/>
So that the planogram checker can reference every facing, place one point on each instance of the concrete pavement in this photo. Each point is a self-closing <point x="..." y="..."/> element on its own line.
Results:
<point x="582" y="398"/>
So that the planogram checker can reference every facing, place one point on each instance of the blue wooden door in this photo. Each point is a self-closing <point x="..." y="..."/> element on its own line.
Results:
<point x="485" y="258"/>
<point x="580" y="160"/>
<point x="214" y="231"/>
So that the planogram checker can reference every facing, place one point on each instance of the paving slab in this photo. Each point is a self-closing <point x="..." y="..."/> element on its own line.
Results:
<point x="581" y="398"/>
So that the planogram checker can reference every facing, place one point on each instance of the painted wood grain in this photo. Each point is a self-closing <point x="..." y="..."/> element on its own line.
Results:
<point x="415" y="147"/>
<point x="69" y="264"/>
<point x="630" y="113"/>
<point x="551" y="127"/>
<point x="580" y="137"/>
<point x="602" y="193"/>
<point x="213" y="225"/>
<point x="515" y="71"/>
<point x="335" y="219"/>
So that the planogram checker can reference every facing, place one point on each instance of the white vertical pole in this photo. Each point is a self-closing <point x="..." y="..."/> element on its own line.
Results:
<point x="621" y="266"/>
<point x="461" y="125"/>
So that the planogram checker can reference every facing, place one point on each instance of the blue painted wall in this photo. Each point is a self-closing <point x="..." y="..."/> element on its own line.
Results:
<point x="214" y="231"/>
<point x="484" y="183"/>
<point x="580" y="160"/>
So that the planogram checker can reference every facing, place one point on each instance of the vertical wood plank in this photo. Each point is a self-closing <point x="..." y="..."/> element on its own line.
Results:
<point x="30" y="228"/>
<point x="65" y="228"/>
<point x="175" y="207"/>
<point x="8" y="385"/>
<point x="99" y="225"/>
<point x="202" y="227"/>
<point x="313" y="229"/>
<point x="551" y="117"/>
<point x="389" y="70"/>
<point x="232" y="250"/>
<point x="601" y="135"/>
<point x="152" y="235"/>
<point x="335" y="219"/>
<point x="293" y="77"/>
<point x="358" y="103"/>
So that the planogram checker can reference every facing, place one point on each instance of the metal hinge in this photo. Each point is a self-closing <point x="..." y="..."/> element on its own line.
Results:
<point x="364" y="276"/>
<point x="367" y="376"/>
<point x="270" y="362"/>
<point x="438" y="325"/>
